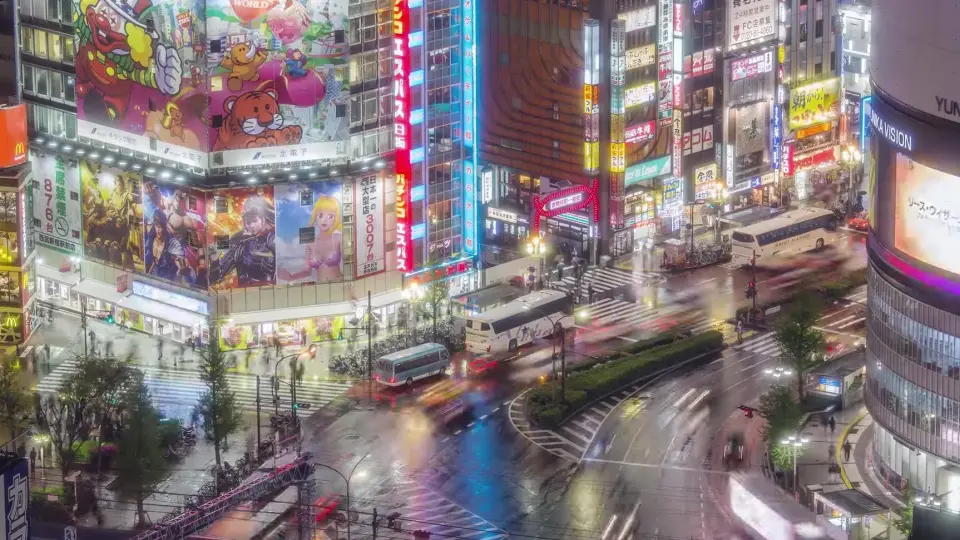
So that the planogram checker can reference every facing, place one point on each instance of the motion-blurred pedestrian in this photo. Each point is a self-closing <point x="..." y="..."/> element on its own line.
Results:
<point x="33" y="462"/>
<point x="833" y="425"/>
<point x="847" y="448"/>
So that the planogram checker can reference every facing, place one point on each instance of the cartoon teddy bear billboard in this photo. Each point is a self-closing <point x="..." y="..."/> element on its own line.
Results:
<point x="278" y="80"/>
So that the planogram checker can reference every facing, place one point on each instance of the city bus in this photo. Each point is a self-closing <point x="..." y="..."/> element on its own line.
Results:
<point x="788" y="234"/>
<point x="519" y="322"/>
<point x="408" y="365"/>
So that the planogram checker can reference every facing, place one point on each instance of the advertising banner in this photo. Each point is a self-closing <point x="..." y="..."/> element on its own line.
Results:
<point x="309" y="232"/>
<point x="752" y="128"/>
<point x="175" y="233"/>
<point x="814" y="103"/>
<point x="112" y="202"/>
<point x="13" y="135"/>
<point x="15" y="498"/>
<point x="640" y="18"/>
<point x="927" y="214"/>
<point x="140" y="76"/>
<point x="641" y="132"/>
<point x="369" y="242"/>
<point x="241" y="238"/>
<point x="56" y="203"/>
<point x="642" y="56"/>
<point x="705" y="182"/>
<point x="638" y="95"/>
<point x="647" y="170"/>
<point x="749" y="20"/>
<point x="745" y="68"/>
<point x="278" y="82"/>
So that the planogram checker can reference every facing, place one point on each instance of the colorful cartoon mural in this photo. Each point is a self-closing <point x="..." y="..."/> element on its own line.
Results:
<point x="112" y="215"/>
<point x="241" y="239"/>
<point x="140" y="76"/>
<point x="309" y="232"/>
<point x="175" y="233"/>
<point x="278" y="78"/>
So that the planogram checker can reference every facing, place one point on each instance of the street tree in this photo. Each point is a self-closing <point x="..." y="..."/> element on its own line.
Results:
<point x="779" y="408"/>
<point x="217" y="408"/>
<point x="140" y="458"/>
<point x="15" y="402"/>
<point x="87" y="397"/>
<point x="434" y="296"/>
<point x="799" y="340"/>
<point x="904" y="523"/>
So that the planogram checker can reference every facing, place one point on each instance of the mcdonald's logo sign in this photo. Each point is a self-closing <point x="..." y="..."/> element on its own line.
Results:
<point x="13" y="135"/>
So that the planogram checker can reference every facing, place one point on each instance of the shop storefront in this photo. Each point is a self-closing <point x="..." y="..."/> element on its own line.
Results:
<point x="505" y="228"/>
<point x="816" y="175"/>
<point x="56" y="286"/>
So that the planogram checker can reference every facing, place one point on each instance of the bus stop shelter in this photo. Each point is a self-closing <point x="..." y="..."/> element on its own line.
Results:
<point x="853" y="511"/>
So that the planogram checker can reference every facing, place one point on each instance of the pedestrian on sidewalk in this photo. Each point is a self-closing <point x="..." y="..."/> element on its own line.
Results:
<point x="833" y="425"/>
<point x="559" y="271"/>
<point x="739" y="330"/>
<point x="847" y="448"/>
<point x="303" y="336"/>
<point x="276" y="345"/>
<point x="590" y="293"/>
<point x="33" y="462"/>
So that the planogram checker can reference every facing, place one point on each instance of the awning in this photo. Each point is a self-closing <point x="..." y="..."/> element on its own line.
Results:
<point x="98" y="290"/>
<point x="161" y="311"/>
<point x="53" y="274"/>
<point x="307" y="312"/>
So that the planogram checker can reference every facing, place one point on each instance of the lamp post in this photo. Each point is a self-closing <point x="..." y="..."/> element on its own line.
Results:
<point x="414" y="293"/>
<point x="850" y="156"/>
<point x="795" y="442"/>
<point x="538" y="248"/>
<point x="559" y="329"/>
<point x="311" y="350"/>
<point x="346" y="480"/>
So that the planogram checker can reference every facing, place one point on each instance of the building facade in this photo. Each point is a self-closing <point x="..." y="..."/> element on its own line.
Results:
<point x="913" y="323"/>
<point x="269" y="169"/>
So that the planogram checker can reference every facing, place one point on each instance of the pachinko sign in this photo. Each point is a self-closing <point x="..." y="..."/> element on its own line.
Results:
<point x="401" y="132"/>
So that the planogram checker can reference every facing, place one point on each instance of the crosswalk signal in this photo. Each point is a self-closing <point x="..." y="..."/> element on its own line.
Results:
<point x="747" y="411"/>
<point x="109" y="319"/>
<point x="751" y="290"/>
<point x="301" y="405"/>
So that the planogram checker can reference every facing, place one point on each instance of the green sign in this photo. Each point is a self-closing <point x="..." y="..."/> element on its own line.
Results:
<point x="647" y="170"/>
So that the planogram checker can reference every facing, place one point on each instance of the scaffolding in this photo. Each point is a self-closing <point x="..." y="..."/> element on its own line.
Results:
<point x="191" y="522"/>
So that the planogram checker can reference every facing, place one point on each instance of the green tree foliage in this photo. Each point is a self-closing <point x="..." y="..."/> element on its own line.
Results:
<point x="779" y="408"/>
<point x="15" y="402"/>
<point x="904" y="523"/>
<point x="800" y="342"/>
<point x="140" y="458"/>
<point x="782" y="455"/>
<point x="217" y="408"/>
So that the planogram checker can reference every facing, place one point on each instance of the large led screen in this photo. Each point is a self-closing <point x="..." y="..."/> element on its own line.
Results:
<point x="112" y="215"/>
<point x="241" y="238"/>
<point x="927" y="214"/>
<point x="309" y="232"/>
<point x="175" y="233"/>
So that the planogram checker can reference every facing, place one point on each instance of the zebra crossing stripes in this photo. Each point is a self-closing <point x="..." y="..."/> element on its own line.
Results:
<point x="604" y="280"/>
<point x="546" y="439"/>
<point x="176" y="391"/>
<point x="762" y="344"/>
<point x="611" y="311"/>
<point x="424" y="509"/>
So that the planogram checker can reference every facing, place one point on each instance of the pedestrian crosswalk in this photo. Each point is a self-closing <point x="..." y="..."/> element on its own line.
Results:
<point x="176" y="391"/>
<point x="761" y="344"/>
<point x="421" y="508"/>
<point x="40" y="352"/>
<point x="605" y="281"/>
<point x="549" y="440"/>
<point x="640" y="316"/>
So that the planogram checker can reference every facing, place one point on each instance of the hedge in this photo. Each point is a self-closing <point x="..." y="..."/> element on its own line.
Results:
<point x="584" y="387"/>
<point x="629" y="349"/>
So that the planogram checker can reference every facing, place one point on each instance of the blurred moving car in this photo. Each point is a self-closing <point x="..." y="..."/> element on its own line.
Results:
<point x="859" y="223"/>
<point x="444" y="402"/>
<point x="487" y="363"/>
<point x="733" y="450"/>
<point x="326" y="508"/>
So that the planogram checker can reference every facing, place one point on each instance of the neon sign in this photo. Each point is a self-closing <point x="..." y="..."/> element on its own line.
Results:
<point x="401" y="132"/>
<point x="469" y="130"/>
<point x="566" y="200"/>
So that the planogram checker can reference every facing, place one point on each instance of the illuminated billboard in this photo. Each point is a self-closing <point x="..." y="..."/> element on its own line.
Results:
<point x="175" y="233"/>
<point x="745" y="68"/>
<point x="112" y="215"/>
<point x="401" y="133"/>
<point x="642" y="56"/>
<point x="241" y="238"/>
<point x="814" y="103"/>
<point x="750" y="20"/>
<point x="639" y="19"/>
<point x="639" y="95"/>
<point x="56" y="202"/>
<point x="309" y="235"/>
<point x="927" y="214"/>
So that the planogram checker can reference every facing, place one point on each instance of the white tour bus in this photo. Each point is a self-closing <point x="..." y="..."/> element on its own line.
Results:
<point x="408" y="365"/>
<point x="518" y="322"/>
<point x="788" y="234"/>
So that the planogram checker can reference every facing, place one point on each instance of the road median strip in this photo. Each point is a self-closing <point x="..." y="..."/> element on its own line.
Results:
<point x="586" y="386"/>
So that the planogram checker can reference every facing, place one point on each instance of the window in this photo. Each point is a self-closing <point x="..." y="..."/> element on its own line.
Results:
<point x="55" y="47"/>
<point x="26" y="39"/>
<point x="307" y="235"/>
<point x="28" y="86"/>
<point x="40" y="43"/>
<point x="222" y="242"/>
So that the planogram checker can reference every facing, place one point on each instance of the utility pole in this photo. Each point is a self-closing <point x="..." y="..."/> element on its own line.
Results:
<point x="370" y="346"/>
<point x="293" y="402"/>
<point x="374" y="524"/>
<point x="83" y="325"/>
<point x="258" y="418"/>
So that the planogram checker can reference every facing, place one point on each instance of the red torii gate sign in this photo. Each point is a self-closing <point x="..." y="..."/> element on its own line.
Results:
<point x="566" y="200"/>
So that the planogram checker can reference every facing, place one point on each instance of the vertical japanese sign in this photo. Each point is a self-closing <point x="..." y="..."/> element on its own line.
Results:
<point x="15" y="496"/>
<point x="677" y="101"/>
<point x="401" y="132"/>
<point x="56" y="203"/>
<point x="368" y="200"/>
<point x="591" y="96"/>
<point x="618" y="158"/>
<point x="470" y="145"/>
<point x="665" y="61"/>
<point x="677" y="143"/>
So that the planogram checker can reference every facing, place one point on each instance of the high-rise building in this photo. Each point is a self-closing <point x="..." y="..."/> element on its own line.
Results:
<point x="261" y="167"/>
<point x="913" y="301"/>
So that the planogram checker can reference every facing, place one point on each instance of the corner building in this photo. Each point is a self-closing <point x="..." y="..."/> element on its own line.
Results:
<point x="913" y="324"/>
<point x="269" y="168"/>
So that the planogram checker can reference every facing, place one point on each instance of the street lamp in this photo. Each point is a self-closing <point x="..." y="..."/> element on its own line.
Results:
<point x="778" y="372"/>
<point x="559" y="329"/>
<point x="346" y="480"/>
<point x="851" y="157"/>
<point x="311" y="350"/>
<point x="795" y="442"/>
<point x="538" y="248"/>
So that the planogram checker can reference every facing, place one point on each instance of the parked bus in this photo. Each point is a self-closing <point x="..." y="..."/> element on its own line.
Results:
<point x="408" y="365"/>
<point x="519" y="322"/>
<point x="788" y="234"/>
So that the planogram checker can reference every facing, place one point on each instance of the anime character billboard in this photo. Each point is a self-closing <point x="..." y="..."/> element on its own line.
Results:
<point x="309" y="232"/>
<point x="175" y="233"/>
<point x="140" y="81"/>
<point x="278" y="80"/>
<point x="112" y="215"/>
<point x="241" y="238"/>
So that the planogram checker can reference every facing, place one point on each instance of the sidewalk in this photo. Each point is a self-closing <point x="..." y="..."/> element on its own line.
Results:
<point x="649" y="260"/>
<point x="813" y="464"/>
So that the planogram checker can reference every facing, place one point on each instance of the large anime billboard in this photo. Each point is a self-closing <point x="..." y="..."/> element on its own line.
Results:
<point x="112" y="215"/>
<point x="278" y="80"/>
<point x="241" y="238"/>
<point x="140" y="77"/>
<point x="309" y="232"/>
<point x="175" y="233"/>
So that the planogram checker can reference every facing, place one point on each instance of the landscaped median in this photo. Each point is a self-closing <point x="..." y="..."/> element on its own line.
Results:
<point x="585" y="385"/>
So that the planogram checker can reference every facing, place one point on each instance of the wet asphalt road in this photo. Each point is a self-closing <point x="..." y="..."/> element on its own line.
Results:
<point x="653" y="468"/>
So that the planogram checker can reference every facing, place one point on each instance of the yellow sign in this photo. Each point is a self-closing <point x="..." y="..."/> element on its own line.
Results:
<point x="814" y="103"/>
<point x="814" y="130"/>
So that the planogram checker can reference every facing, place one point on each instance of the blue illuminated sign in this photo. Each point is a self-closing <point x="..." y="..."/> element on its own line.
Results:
<point x="865" y="106"/>
<point x="418" y="231"/>
<point x="416" y="117"/>
<point x="469" y="207"/>
<point x="417" y="193"/>
<point x="470" y="144"/>
<point x="416" y="39"/>
<point x="777" y="135"/>
<point x="416" y="155"/>
<point x="416" y="78"/>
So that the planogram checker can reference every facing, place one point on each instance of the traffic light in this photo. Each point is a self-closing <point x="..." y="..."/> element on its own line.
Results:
<point x="751" y="290"/>
<point x="109" y="319"/>
<point x="301" y="405"/>
<point x="748" y="411"/>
